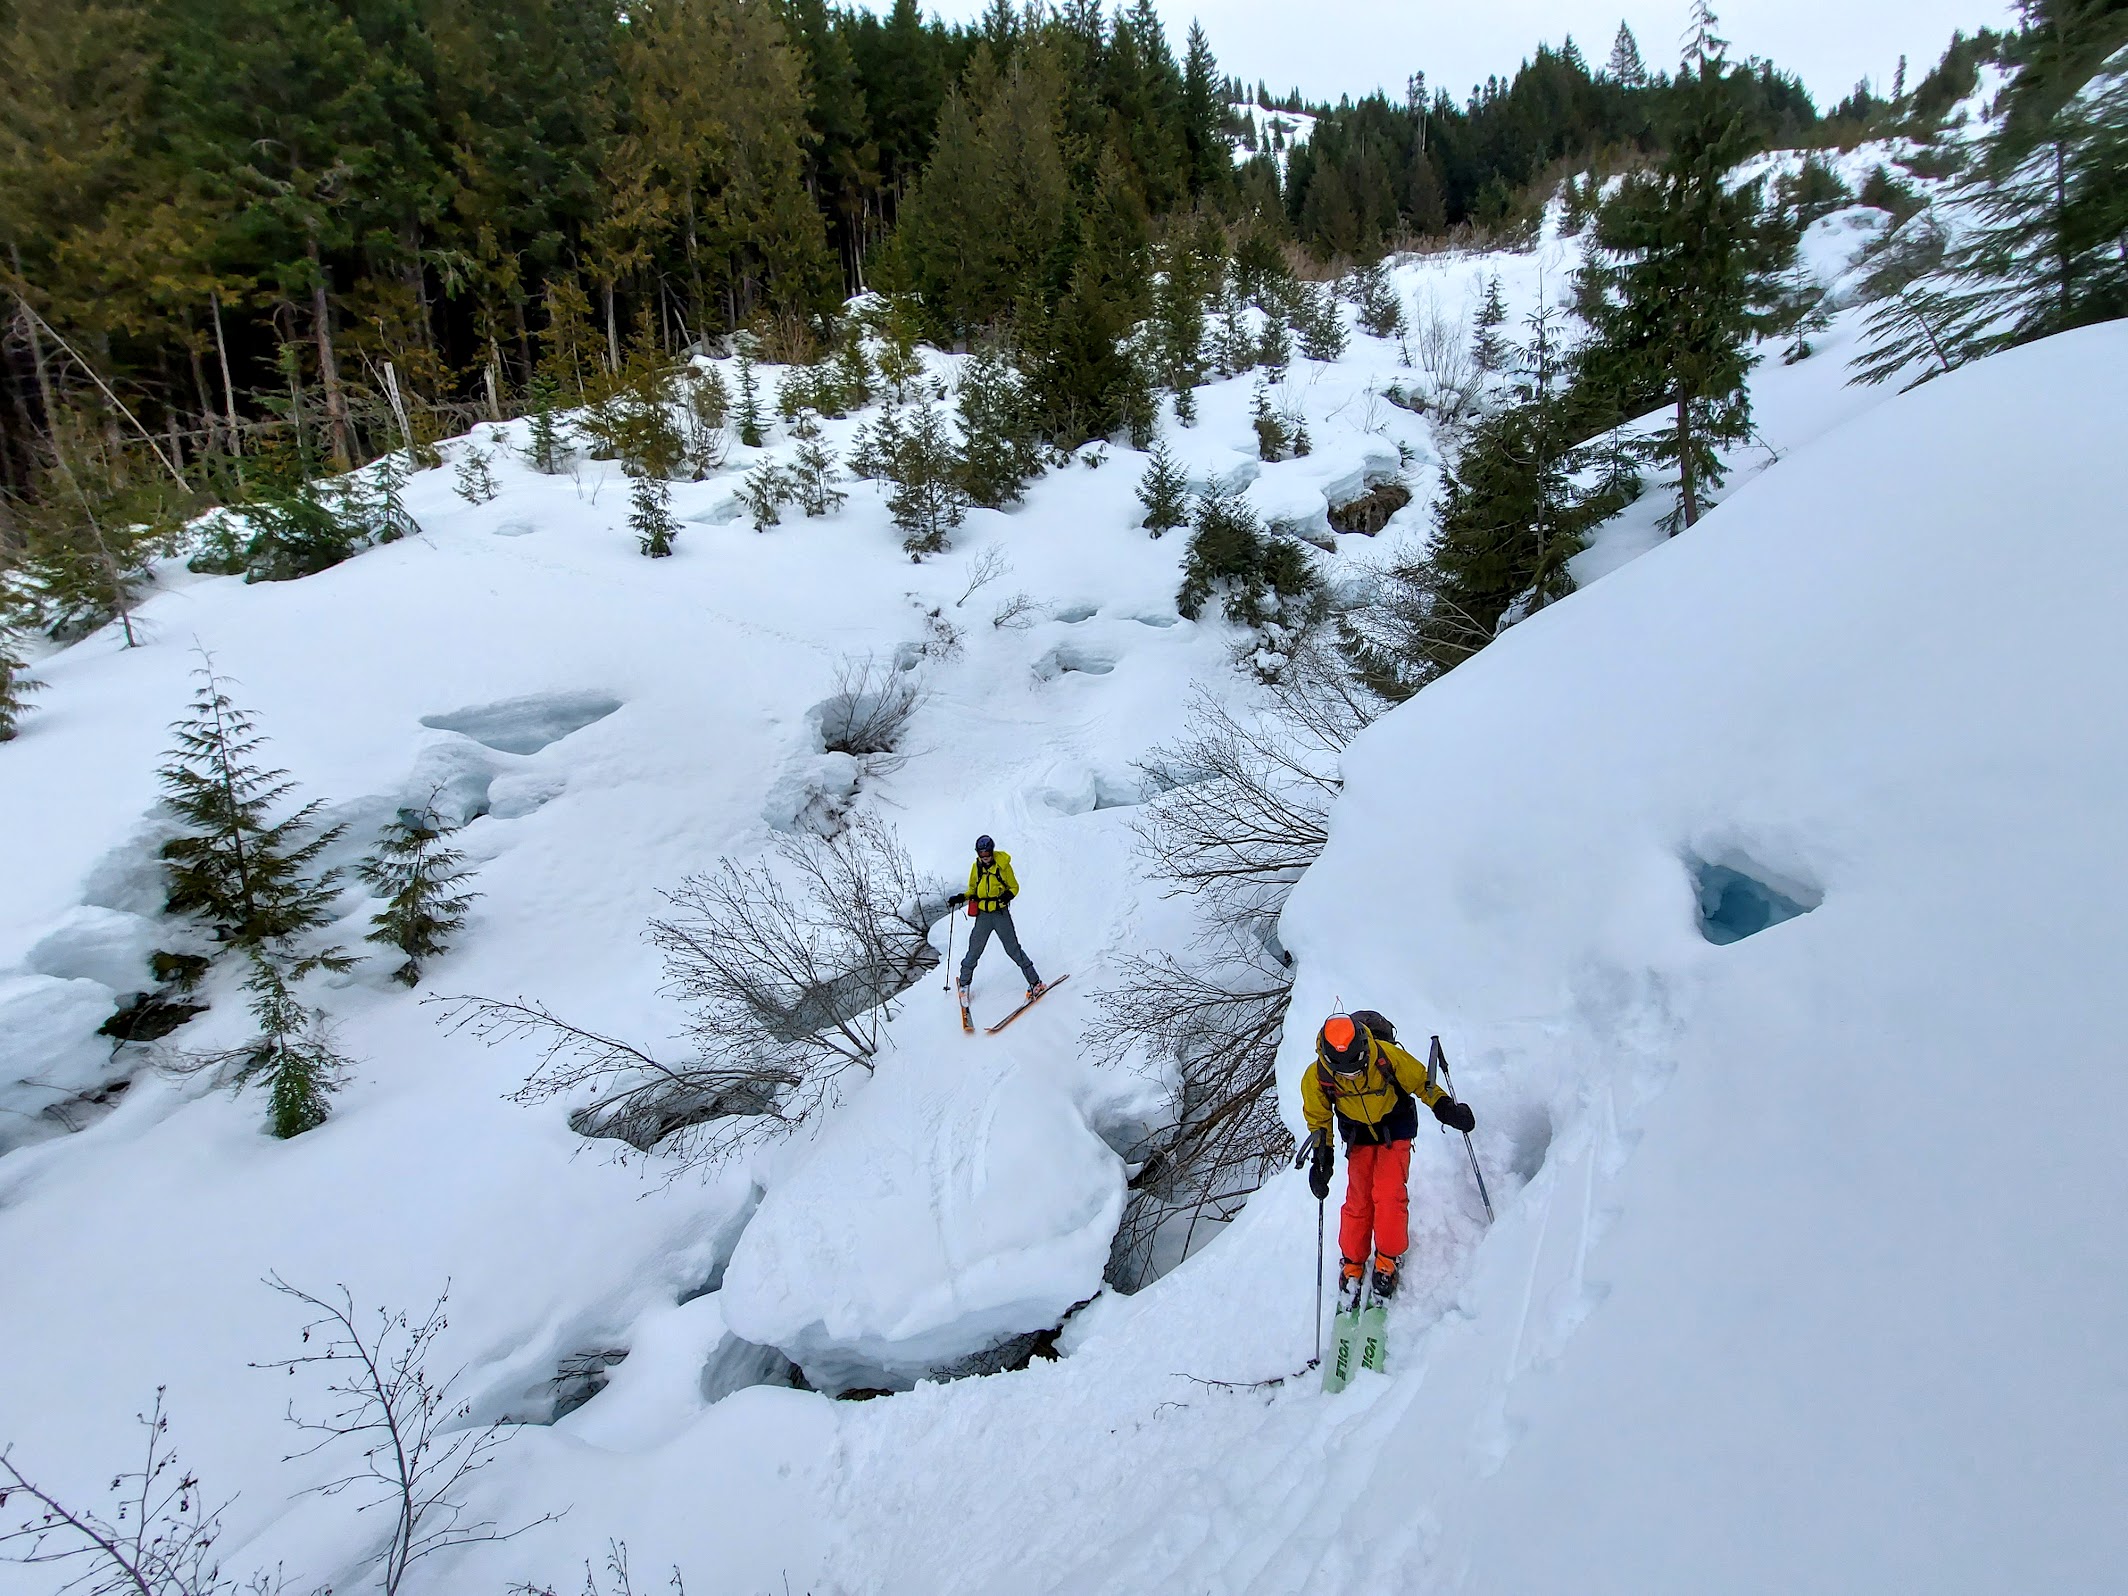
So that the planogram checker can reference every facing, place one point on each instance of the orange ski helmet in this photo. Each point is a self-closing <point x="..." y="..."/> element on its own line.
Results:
<point x="1343" y="1044"/>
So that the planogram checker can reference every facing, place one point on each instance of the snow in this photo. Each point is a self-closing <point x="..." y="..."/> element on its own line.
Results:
<point x="1803" y="1229"/>
<point x="1295" y="127"/>
<point x="1818" y="1239"/>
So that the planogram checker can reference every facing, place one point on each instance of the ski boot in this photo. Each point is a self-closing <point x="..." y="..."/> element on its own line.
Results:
<point x="1385" y="1277"/>
<point x="1350" y="1277"/>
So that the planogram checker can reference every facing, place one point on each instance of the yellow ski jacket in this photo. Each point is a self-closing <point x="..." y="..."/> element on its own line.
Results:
<point x="991" y="889"/>
<point x="1379" y="1107"/>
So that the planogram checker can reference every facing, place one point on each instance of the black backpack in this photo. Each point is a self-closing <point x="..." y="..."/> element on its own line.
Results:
<point x="1377" y="1023"/>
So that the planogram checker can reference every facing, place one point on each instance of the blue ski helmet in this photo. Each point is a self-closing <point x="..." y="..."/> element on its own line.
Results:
<point x="983" y="844"/>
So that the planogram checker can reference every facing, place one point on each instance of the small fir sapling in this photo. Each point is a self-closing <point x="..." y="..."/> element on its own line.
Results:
<point x="1321" y="328"/>
<point x="813" y="474"/>
<point x="1272" y="438"/>
<point x="1488" y="347"/>
<point x="872" y="452"/>
<point x="474" y="482"/>
<point x="765" y="491"/>
<point x="251" y="881"/>
<point x="1254" y="575"/>
<point x="899" y="364"/>
<point x="547" y="448"/>
<point x="1233" y="349"/>
<point x="291" y="1055"/>
<point x="999" y="451"/>
<point x="421" y="879"/>
<point x="1381" y="308"/>
<point x="14" y="687"/>
<point x="650" y="515"/>
<point x="1164" y="492"/>
<point x="927" y="499"/>
<point x="1275" y="352"/>
<point x="708" y="410"/>
<point x="747" y="412"/>
<point x="853" y="371"/>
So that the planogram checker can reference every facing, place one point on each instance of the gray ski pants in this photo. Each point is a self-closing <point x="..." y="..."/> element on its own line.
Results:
<point x="997" y="923"/>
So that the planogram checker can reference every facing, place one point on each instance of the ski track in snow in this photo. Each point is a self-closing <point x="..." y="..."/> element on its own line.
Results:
<point x="902" y="1222"/>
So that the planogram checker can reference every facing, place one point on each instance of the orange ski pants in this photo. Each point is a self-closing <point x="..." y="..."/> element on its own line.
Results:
<point x="1377" y="1200"/>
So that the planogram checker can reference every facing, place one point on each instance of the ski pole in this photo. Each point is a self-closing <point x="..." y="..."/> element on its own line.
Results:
<point x="1441" y="1058"/>
<point x="951" y="917"/>
<point x="1319" y="1204"/>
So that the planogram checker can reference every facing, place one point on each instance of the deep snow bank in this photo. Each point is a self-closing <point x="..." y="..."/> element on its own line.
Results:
<point x="1818" y="1283"/>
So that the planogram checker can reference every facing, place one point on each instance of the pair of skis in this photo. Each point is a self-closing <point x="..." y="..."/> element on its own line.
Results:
<point x="1040" y="992"/>
<point x="1359" y="1340"/>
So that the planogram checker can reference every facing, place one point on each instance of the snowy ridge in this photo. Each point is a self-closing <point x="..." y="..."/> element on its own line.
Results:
<point x="1683" y="1301"/>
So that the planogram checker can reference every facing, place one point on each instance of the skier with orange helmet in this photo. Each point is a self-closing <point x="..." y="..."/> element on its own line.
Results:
<point x="1370" y="1088"/>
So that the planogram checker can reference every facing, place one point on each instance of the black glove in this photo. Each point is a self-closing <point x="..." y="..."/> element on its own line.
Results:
<point x="956" y="900"/>
<point x="1319" y="1167"/>
<point x="1455" y="1115"/>
<point x="1005" y="898"/>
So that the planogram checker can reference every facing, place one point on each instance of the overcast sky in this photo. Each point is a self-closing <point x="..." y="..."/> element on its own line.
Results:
<point x="1334" y="47"/>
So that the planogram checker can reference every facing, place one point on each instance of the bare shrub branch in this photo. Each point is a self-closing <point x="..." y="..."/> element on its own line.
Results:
<point x="416" y="1456"/>
<point x="984" y="569"/>
<point x="869" y="712"/>
<point x="790" y="969"/>
<point x="794" y="983"/>
<point x="157" y="1539"/>
<point x="635" y="1098"/>
<point x="1017" y="613"/>
<point x="616" y="1571"/>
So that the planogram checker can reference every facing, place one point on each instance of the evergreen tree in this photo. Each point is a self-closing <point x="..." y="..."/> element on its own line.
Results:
<point x="14" y="686"/>
<point x="1488" y="347"/>
<point x="290" y="1056"/>
<point x="1316" y="318"/>
<point x="708" y="408"/>
<point x="1916" y="327"/>
<point x="1178" y="315"/>
<point x="422" y="880"/>
<point x="2050" y="194"/>
<point x="546" y="449"/>
<point x="1380" y="306"/>
<point x="872" y="454"/>
<point x="765" y="491"/>
<point x="1704" y="45"/>
<point x="1259" y="579"/>
<point x="1272" y="438"/>
<point x="1275" y="351"/>
<point x="252" y="882"/>
<point x="1233" y="346"/>
<point x="1210" y="155"/>
<point x="1683" y="276"/>
<point x="927" y="500"/>
<point x="474" y="482"/>
<point x="854" y="371"/>
<point x="999" y="450"/>
<point x="747" y="413"/>
<point x="650" y="514"/>
<point x="813" y="474"/>
<point x="1164" y="491"/>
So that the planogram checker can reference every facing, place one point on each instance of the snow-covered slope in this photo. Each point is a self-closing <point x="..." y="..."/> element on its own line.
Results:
<point x="1821" y="1245"/>
<point x="1866" y="678"/>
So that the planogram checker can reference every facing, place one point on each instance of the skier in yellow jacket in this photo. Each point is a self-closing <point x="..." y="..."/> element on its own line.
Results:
<point x="1371" y="1088"/>
<point x="991" y="888"/>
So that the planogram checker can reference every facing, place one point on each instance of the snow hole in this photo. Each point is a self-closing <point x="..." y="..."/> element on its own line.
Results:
<point x="1073" y="614"/>
<point x="1071" y="657"/>
<point x="526" y="725"/>
<point x="1161" y="621"/>
<point x="1735" y="903"/>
